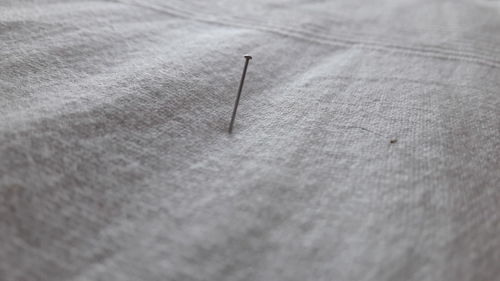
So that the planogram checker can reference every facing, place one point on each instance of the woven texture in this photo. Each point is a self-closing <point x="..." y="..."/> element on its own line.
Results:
<point x="366" y="144"/>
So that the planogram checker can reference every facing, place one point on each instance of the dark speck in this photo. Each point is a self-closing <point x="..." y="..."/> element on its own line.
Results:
<point x="394" y="141"/>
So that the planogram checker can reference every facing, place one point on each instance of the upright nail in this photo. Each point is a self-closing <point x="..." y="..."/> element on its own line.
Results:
<point x="247" y="58"/>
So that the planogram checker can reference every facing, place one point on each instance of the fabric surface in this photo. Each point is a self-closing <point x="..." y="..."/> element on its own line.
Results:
<point x="366" y="144"/>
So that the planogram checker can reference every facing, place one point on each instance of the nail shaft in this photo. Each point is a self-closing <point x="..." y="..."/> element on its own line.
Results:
<point x="247" y="59"/>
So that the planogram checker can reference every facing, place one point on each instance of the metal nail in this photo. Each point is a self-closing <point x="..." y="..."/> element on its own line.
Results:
<point x="247" y="58"/>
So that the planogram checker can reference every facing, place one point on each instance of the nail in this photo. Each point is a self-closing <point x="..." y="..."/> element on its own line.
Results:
<point x="247" y="58"/>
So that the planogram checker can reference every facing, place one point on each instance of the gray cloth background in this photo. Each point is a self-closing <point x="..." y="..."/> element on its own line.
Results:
<point x="116" y="164"/>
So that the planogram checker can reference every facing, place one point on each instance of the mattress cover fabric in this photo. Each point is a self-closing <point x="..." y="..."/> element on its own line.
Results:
<point x="366" y="144"/>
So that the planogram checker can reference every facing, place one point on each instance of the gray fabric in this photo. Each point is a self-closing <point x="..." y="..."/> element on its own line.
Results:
<point x="366" y="145"/>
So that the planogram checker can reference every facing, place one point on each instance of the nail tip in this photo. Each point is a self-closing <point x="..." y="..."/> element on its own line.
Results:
<point x="247" y="56"/>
